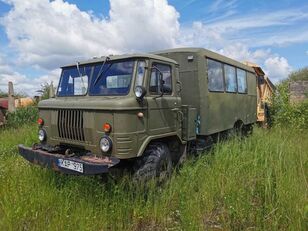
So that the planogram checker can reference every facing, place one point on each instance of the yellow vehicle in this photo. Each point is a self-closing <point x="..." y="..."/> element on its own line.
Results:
<point x="265" y="91"/>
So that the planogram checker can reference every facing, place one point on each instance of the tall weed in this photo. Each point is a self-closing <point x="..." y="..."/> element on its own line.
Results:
<point x="22" y="116"/>
<point x="259" y="183"/>
<point x="287" y="114"/>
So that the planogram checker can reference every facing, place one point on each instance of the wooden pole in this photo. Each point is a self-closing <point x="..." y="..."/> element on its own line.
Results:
<point x="51" y="90"/>
<point x="11" y="100"/>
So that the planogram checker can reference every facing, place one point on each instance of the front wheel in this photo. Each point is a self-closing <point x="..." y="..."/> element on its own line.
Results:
<point x="154" y="164"/>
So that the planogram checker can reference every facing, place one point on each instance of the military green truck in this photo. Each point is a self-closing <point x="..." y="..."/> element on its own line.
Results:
<point x="146" y="111"/>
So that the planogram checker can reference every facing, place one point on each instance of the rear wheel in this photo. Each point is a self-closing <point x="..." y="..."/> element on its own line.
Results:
<point x="237" y="130"/>
<point x="154" y="164"/>
<point x="248" y="129"/>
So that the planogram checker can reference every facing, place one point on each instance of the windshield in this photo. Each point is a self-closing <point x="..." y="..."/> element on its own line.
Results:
<point x="74" y="81"/>
<point x="109" y="78"/>
<point x="112" y="78"/>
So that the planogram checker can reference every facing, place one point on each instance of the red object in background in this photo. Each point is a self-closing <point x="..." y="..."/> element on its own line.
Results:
<point x="4" y="103"/>
<point x="40" y="121"/>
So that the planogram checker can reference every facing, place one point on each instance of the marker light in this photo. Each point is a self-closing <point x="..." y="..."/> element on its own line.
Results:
<point x="107" y="127"/>
<point x="40" y="121"/>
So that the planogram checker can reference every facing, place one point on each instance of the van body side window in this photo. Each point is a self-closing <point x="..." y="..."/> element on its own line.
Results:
<point x="230" y="78"/>
<point x="215" y="76"/>
<point x="241" y="81"/>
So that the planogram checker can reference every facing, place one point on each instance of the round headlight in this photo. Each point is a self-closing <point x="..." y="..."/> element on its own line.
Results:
<point x="42" y="135"/>
<point x="105" y="144"/>
<point x="140" y="92"/>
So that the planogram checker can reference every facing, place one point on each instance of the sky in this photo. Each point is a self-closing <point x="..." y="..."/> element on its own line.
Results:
<point x="39" y="36"/>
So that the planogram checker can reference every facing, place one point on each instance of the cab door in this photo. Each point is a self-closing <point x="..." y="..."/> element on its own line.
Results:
<point x="162" y="100"/>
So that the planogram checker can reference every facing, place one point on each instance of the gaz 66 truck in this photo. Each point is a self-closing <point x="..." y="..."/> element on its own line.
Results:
<point x="144" y="110"/>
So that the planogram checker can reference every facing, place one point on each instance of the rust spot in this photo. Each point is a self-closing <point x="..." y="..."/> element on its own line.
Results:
<point x="55" y="167"/>
<point x="97" y="160"/>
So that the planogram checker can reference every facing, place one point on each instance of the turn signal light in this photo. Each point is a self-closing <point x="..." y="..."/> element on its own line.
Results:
<point x="40" y="121"/>
<point x="107" y="127"/>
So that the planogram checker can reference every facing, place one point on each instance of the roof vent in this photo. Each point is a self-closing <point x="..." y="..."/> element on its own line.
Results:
<point x="190" y="58"/>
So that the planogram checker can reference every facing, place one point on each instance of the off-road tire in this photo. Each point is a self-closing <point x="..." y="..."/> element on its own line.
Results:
<point x="248" y="130"/>
<point x="155" y="164"/>
<point x="237" y="130"/>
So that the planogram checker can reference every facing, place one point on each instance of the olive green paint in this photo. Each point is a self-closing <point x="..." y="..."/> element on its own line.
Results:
<point x="167" y="116"/>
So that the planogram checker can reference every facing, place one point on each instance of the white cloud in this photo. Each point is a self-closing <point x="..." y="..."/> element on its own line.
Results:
<point x="277" y="68"/>
<point x="241" y="52"/>
<point x="25" y="85"/>
<point x="22" y="83"/>
<point x="48" y="34"/>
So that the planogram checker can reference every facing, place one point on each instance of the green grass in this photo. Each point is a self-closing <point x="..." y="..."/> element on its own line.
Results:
<point x="259" y="183"/>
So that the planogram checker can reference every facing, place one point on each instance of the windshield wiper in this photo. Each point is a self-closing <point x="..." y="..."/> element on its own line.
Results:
<point x="81" y="76"/>
<point x="101" y="71"/>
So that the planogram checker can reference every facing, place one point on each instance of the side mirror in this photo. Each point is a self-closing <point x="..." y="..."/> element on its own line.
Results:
<point x="178" y="86"/>
<point x="140" y="92"/>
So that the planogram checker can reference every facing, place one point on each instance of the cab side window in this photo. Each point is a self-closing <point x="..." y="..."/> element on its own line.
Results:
<point x="155" y="82"/>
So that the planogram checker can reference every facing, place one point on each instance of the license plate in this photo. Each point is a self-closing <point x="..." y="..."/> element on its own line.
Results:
<point x="72" y="165"/>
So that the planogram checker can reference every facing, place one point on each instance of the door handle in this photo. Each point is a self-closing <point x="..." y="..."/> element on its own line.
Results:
<point x="179" y="114"/>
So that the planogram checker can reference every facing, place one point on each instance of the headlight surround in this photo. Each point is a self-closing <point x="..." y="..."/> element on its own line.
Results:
<point x="42" y="135"/>
<point x="105" y="144"/>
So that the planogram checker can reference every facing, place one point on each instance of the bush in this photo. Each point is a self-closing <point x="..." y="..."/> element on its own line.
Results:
<point x="301" y="74"/>
<point x="285" y="113"/>
<point x="21" y="116"/>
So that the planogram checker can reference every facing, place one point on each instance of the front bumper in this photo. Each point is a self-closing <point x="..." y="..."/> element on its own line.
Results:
<point x="91" y="165"/>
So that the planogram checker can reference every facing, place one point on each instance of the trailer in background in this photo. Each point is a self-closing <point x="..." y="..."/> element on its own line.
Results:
<point x="3" y="109"/>
<point x="265" y="91"/>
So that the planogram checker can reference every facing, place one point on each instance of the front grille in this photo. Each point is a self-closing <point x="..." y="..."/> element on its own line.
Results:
<point x="70" y="124"/>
